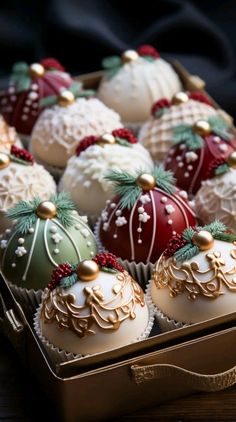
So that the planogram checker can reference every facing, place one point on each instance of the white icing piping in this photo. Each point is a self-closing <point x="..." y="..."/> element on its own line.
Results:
<point x="130" y="229"/>
<point x="31" y="250"/>
<point x="197" y="170"/>
<point x="154" y="226"/>
<point x="46" y="244"/>
<point x="72" y="240"/>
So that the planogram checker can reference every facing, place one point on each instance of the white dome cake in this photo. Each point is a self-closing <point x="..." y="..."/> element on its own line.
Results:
<point x="61" y="127"/>
<point x="133" y="82"/>
<point x="95" y="307"/>
<point x="184" y="108"/>
<point x="8" y="136"/>
<point x="194" y="279"/>
<point x="84" y="174"/>
<point x="216" y="198"/>
<point x="21" y="179"/>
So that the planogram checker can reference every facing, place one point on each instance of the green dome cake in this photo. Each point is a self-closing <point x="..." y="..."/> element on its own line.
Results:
<point x="46" y="234"/>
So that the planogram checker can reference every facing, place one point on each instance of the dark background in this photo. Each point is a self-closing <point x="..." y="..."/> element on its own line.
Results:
<point x="201" y="34"/>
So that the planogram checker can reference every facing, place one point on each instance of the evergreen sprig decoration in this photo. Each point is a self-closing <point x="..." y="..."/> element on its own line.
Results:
<point x="67" y="281"/>
<point x="126" y="186"/>
<point x="25" y="212"/>
<point x="20" y="76"/>
<point x="184" y="133"/>
<point x="218" y="231"/>
<point x="76" y="89"/>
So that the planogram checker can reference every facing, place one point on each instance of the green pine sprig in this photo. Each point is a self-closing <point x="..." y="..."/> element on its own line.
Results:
<point x="77" y="90"/>
<point x="218" y="231"/>
<point x="25" y="212"/>
<point x="20" y="76"/>
<point x="183" y="133"/>
<point x="220" y="127"/>
<point x="125" y="184"/>
<point x="112" y="65"/>
<point x="123" y="142"/>
<point x="222" y="169"/>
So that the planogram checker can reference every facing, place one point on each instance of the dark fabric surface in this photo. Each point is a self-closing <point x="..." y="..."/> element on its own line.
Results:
<point x="201" y="34"/>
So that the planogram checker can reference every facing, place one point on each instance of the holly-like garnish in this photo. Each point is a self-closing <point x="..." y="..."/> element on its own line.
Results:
<point x="124" y="135"/>
<point x="108" y="262"/>
<point x="148" y="51"/>
<point x="22" y="154"/>
<point x="160" y="107"/>
<point x="63" y="270"/>
<point x="49" y="63"/>
<point x="201" y="97"/>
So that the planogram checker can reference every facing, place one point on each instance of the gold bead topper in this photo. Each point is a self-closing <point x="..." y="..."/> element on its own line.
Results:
<point x="66" y="98"/>
<point x="46" y="209"/>
<point x="146" y="181"/>
<point x="87" y="270"/>
<point x="106" y="138"/>
<point x="4" y="160"/>
<point x="36" y="70"/>
<point x="202" y="128"/>
<point x="203" y="240"/>
<point x="231" y="160"/>
<point x="180" y="98"/>
<point x="129" y="56"/>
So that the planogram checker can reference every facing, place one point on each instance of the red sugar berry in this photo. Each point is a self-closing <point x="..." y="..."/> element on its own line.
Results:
<point x="85" y="143"/>
<point x="201" y="97"/>
<point x="148" y="50"/>
<point x="108" y="260"/>
<point x="158" y="105"/>
<point x="63" y="270"/>
<point x="49" y="63"/>
<point x="23" y="154"/>
<point x="175" y="243"/>
<point x="126" y="134"/>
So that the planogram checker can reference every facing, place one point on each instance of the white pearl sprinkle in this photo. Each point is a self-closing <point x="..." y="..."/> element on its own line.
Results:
<point x="8" y="231"/>
<point x="113" y="205"/>
<point x="190" y="167"/>
<point x="26" y="109"/>
<point x="140" y="210"/>
<point x="24" y="117"/>
<point x="174" y="232"/>
<point x="56" y="251"/>
<point x="182" y="146"/>
<point x="74" y="212"/>
<point x="91" y="253"/>
<point x="28" y="102"/>
<point x="216" y="139"/>
<point x="186" y="174"/>
<point x="31" y="230"/>
<point x="115" y="236"/>
<point x="181" y="164"/>
<point x="108" y="201"/>
<point x="34" y="87"/>
<point x="164" y="199"/>
<point x="88" y="244"/>
<point x="13" y="265"/>
<point x="183" y="194"/>
<point x="170" y="222"/>
<point x="118" y="212"/>
<point x="21" y="240"/>
<point x="139" y="230"/>
<point x="178" y="158"/>
<point x="33" y="95"/>
<point x="139" y="241"/>
<point x="53" y="229"/>
<point x="77" y="226"/>
<point x="223" y="147"/>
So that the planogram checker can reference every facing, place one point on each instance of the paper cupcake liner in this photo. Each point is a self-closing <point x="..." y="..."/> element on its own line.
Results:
<point x="140" y="271"/>
<point x="58" y="356"/>
<point x="165" y="323"/>
<point x="28" y="299"/>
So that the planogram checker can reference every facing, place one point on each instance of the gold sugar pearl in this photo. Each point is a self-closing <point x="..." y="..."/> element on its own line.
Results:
<point x="106" y="138"/>
<point x="46" y="209"/>
<point x="66" y="98"/>
<point x="180" y="98"/>
<point x="231" y="160"/>
<point x="87" y="270"/>
<point x="146" y="181"/>
<point x="4" y="160"/>
<point x="202" y="128"/>
<point x="203" y="240"/>
<point x="36" y="70"/>
<point x="129" y="56"/>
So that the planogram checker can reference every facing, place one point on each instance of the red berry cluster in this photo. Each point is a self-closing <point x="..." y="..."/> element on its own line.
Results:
<point x="125" y="134"/>
<point x="23" y="154"/>
<point x="50" y="63"/>
<point x="175" y="243"/>
<point x="158" y="105"/>
<point x="85" y="143"/>
<point x="108" y="260"/>
<point x="219" y="161"/>
<point x="148" y="50"/>
<point x="201" y="97"/>
<point x="63" y="270"/>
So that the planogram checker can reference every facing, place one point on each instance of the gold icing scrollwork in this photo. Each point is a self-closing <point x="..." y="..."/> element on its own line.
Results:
<point x="108" y="315"/>
<point x="187" y="277"/>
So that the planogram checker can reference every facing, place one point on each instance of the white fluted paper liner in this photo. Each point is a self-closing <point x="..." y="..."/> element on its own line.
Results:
<point x="58" y="356"/>
<point x="165" y="323"/>
<point x="28" y="299"/>
<point x="140" y="271"/>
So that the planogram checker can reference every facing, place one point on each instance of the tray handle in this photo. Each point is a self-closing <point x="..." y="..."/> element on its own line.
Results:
<point x="199" y="382"/>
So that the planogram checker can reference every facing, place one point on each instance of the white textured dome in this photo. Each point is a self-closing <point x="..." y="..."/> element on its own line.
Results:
<point x="23" y="182"/>
<point x="8" y="136"/>
<point x="108" y="312"/>
<point x="216" y="199"/>
<point x="202" y="287"/>
<point x="156" y="134"/>
<point x="136" y="86"/>
<point x="84" y="175"/>
<point x="59" y="130"/>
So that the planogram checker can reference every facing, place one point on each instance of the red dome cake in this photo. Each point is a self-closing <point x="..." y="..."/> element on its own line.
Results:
<point x="19" y="104"/>
<point x="196" y="150"/>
